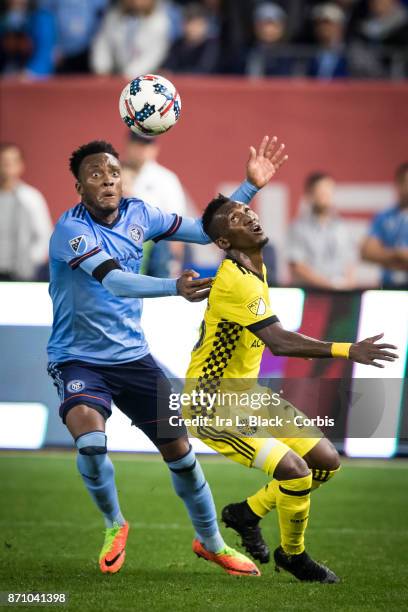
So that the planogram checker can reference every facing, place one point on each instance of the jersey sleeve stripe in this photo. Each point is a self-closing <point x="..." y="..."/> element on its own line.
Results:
<point x="261" y="324"/>
<point x="172" y="229"/>
<point x="74" y="263"/>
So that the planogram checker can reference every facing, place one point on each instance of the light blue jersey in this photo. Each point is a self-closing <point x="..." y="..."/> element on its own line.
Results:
<point x="90" y="323"/>
<point x="94" y="320"/>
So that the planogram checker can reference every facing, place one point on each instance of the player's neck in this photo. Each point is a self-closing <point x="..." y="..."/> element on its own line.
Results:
<point x="105" y="217"/>
<point x="252" y="260"/>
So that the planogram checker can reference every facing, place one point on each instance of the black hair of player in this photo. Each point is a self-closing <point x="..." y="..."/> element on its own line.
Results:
<point x="208" y="216"/>
<point x="401" y="171"/>
<point x="91" y="148"/>
<point x="314" y="178"/>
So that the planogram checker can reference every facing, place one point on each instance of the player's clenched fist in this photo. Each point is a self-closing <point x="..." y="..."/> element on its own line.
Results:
<point x="193" y="290"/>
<point x="367" y="351"/>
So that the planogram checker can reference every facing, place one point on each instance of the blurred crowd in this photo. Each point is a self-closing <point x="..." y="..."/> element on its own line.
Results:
<point x="307" y="38"/>
<point x="320" y="253"/>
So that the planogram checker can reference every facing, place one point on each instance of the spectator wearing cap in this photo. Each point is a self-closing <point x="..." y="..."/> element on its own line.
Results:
<point x="26" y="226"/>
<point x="330" y="61"/>
<point x="268" y="56"/>
<point x="387" y="241"/>
<point x="159" y="187"/>
<point x="321" y="253"/>
<point x="334" y="58"/>
<point x="196" y="52"/>
<point x="134" y="38"/>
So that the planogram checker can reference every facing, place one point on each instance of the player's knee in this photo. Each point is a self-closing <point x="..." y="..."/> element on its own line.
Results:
<point x="81" y="419"/>
<point x="291" y="466"/>
<point x="175" y="450"/>
<point x="329" y="458"/>
<point x="92" y="459"/>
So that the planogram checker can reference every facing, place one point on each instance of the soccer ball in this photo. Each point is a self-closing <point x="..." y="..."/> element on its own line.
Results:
<point x="150" y="105"/>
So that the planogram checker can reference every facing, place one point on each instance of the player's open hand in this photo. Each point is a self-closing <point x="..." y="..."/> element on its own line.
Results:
<point x="263" y="164"/>
<point x="367" y="351"/>
<point x="193" y="290"/>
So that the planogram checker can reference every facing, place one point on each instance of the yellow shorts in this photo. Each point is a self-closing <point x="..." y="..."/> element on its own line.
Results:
<point x="259" y="447"/>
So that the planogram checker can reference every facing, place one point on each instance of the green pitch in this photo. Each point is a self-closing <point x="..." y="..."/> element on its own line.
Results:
<point x="51" y="536"/>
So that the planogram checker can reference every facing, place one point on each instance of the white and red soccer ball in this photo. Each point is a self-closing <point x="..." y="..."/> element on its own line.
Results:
<point x="150" y="105"/>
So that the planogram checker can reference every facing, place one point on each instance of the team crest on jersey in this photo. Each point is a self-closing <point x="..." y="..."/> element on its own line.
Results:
<point x="257" y="307"/>
<point x="74" y="386"/>
<point x="245" y="428"/>
<point x="136" y="233"/>
<point x="78" y="244"/>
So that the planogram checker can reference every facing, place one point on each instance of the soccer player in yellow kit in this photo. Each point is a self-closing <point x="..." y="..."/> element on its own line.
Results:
<point x="237" y="325"/>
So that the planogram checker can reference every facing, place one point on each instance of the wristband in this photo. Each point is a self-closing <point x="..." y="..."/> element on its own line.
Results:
<point x="341" y="349"/>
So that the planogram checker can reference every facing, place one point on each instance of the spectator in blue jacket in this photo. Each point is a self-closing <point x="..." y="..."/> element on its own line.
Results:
<point x="387" y="241"/>
<point x="27" y="40"/>
<point x="330" y="61"/>
<point x="77" y="22"/>
<point x="268" y="55"/>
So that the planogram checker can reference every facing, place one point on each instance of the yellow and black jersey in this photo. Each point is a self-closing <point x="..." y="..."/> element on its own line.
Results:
<point x="238" y="305"/>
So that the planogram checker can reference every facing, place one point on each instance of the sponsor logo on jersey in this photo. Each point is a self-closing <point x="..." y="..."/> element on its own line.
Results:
<point x="74" y="386"/>
<point x="136" y="233"/>
<point x="257" y="307"/>
<point x="78" y="244"/>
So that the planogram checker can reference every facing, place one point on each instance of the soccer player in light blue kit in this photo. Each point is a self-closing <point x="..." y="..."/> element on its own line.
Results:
<point x="97" y="350"/>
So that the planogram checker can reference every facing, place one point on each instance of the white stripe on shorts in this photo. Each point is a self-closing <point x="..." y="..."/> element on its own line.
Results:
<point x="263" y="453"/>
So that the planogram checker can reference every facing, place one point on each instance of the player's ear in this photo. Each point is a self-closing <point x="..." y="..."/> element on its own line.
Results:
<point x="78" y="187"/>
<point x="223" y="243"/>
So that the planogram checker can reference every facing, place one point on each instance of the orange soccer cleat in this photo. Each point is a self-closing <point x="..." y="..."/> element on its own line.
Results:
<point x="229" y="559"/>
<point x="112" y="555"/>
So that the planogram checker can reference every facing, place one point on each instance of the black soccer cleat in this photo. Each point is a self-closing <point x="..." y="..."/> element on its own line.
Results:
<point x="250" y="532"/>
<point x="303" y="567"/>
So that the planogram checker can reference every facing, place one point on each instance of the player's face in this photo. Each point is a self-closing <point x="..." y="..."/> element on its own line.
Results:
<point x="100" y="184"/>
<point x="241" y="228"/>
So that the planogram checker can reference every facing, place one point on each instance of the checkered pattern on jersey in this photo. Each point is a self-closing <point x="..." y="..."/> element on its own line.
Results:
<point x="226" y="335"/>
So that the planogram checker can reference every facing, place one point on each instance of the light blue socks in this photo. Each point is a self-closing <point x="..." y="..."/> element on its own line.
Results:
<point x="98" y="474"/>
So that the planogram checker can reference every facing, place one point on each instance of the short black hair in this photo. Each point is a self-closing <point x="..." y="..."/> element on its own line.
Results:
<point x="209" y="214"/>
<point x="314" y="178"/>
<point x="91" y="148"/>
<point x="401" y="171"/>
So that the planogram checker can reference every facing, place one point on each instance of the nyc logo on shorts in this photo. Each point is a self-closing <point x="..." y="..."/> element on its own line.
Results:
<point x="74" y="386"/>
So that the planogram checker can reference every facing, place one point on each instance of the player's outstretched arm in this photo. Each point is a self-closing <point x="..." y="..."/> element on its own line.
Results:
<point x="128" y="284"/>
<point x="262" y="165"/>
<point x="283" y="342"/>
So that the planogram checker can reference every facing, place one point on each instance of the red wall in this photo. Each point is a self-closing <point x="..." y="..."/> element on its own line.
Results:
<point x="357" y="131"/>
